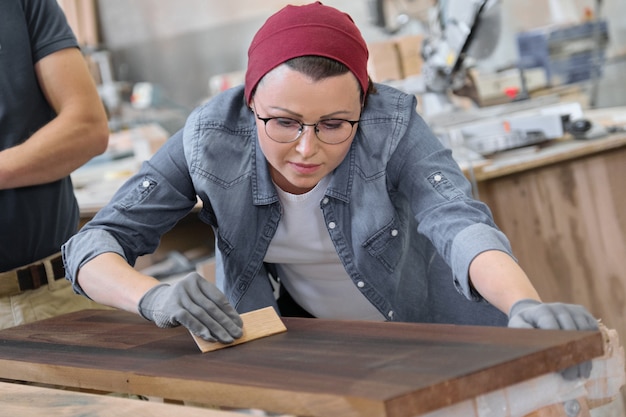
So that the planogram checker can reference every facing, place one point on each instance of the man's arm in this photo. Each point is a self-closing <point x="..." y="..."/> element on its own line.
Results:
<point x="78" y="133"/>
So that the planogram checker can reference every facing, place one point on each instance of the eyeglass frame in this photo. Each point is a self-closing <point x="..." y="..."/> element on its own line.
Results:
<point x="302" y="125"/>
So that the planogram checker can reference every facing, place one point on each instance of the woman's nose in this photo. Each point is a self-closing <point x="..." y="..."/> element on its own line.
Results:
<point x="308" y="142"/>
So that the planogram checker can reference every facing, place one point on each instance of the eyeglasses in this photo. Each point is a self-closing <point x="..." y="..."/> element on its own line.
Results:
<point x="286" y="130"/>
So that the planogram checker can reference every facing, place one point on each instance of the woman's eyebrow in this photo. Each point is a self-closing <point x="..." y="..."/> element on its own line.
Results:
<point x="298" y="115"/>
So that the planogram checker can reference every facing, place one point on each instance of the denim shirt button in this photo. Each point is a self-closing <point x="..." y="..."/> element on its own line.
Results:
<point x="145" y="184"/>
<point x="390" y="314"/>
<point x="332" y="225"/>
<point x="394" y="232"/>
<point x="437" y="178"/>
<point x="360" y="284"/>
<point x="325" y="200"/>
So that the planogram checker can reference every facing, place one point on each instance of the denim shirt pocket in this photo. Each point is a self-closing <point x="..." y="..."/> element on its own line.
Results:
<point x="138" y="193"/>
<point x="386" y="245"/>
<point x="444" y="186"/>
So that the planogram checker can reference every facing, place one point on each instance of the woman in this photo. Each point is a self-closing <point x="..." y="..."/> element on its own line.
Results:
<point x="313" y="176"/>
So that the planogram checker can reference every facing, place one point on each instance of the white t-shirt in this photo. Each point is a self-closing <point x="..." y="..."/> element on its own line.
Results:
<point x="308" y="264"/>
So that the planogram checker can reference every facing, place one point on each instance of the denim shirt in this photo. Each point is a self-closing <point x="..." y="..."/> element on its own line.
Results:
<point x="398" y="210"/>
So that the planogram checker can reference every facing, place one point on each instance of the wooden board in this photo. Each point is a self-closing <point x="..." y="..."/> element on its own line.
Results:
<point x="316" y="368"/>
<point x="256" y="324"/>
<point x="30" y="401"/>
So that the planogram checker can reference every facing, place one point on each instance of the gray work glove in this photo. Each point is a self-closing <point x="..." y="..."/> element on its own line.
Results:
<point x="195" y="303"/>
<point x="532" y="314"/>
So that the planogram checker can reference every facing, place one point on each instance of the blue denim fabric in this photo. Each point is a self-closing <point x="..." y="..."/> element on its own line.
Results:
<point x="398" y="209"/>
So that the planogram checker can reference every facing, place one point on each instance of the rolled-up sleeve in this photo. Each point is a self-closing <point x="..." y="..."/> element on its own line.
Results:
<point x="144" y="208"/>
<point x="470" y="243"/>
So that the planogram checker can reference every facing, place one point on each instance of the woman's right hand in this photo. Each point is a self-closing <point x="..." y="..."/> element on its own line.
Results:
<point x="196" y="304"/>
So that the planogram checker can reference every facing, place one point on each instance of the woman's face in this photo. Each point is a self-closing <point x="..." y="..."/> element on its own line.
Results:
<point x="298" y="166"/>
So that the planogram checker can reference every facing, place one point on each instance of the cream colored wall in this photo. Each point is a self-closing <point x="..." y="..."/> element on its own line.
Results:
<point x="135" y="21"/>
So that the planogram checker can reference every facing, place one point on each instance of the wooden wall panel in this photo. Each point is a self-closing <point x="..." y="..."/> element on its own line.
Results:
<point x="567" y="226"/>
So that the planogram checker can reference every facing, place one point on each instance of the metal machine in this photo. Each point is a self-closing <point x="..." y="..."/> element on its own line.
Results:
<point x="459" y="32"/>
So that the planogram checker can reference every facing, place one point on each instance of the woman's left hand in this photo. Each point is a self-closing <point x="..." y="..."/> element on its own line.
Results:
<point x="533" y="314"/>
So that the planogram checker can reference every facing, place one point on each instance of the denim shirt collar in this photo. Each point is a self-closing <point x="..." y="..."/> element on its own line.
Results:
<point x="341" y="178"/>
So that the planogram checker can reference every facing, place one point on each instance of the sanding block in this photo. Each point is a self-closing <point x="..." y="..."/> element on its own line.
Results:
<point x="256" y="324"/>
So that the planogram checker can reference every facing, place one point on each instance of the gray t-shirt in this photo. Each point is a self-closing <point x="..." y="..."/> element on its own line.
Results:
<point x="34" y="221"/>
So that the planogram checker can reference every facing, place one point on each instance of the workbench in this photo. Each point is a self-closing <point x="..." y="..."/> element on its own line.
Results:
<point x="319" y="367"/>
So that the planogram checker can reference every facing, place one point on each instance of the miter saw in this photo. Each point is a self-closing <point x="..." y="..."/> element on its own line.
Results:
<point x="459" y="32"/>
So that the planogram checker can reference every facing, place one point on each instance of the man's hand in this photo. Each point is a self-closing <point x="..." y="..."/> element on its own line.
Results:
<point x="195" y="303"/>
<point x="532" y="314"/>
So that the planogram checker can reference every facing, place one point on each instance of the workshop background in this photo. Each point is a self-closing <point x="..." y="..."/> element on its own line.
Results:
<point x="556" y="192"/>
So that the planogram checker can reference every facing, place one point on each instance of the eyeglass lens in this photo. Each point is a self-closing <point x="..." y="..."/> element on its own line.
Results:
<point x="283" y="129"/>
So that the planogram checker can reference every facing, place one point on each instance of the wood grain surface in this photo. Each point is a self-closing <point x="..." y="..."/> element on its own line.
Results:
<point x="316" y="368"/>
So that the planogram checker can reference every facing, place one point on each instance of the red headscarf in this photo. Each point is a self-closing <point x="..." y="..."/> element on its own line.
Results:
<point x="312" y="29"/>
